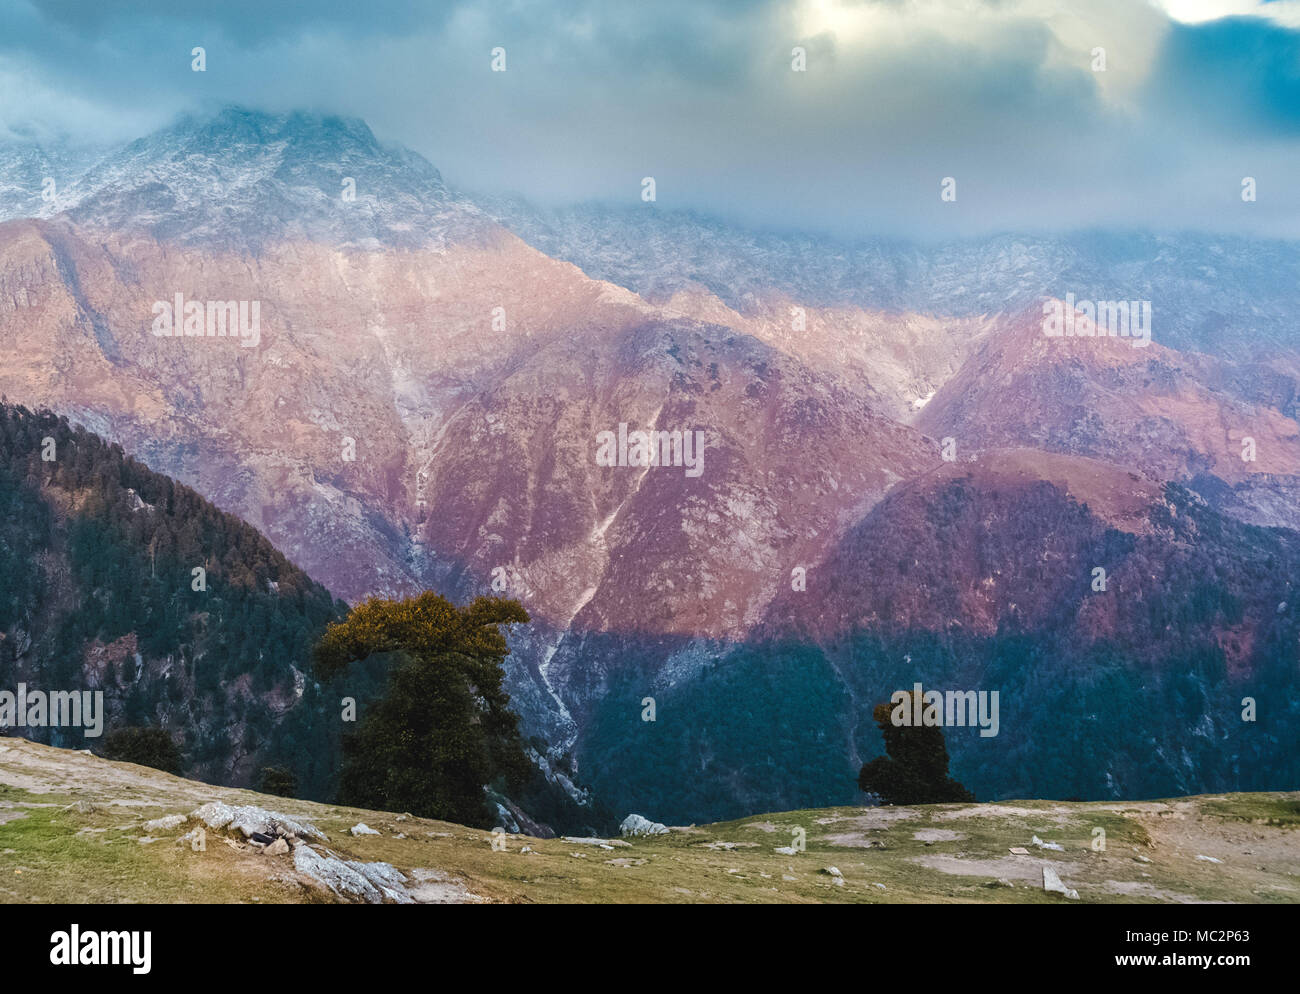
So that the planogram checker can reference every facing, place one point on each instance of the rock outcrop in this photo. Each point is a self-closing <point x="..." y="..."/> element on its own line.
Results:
<point x="637" y="825"/>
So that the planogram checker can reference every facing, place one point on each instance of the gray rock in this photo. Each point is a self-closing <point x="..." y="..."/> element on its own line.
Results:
<point x="589" y="841"/>
<point x="636" y="825"/>
<point x="335" y="874"/>
<point x="506" y="822"/>
<point x="437" y="887"/>
<point x="361" y="828"/>
<point x="387" y="878"/>
<point x="249" y="819"/>
<point x="165" y="823"/>
<point x="1052" y="883"/>
<point x="373" y="883"/>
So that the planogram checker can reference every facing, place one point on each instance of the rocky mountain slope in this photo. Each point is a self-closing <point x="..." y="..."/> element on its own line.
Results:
<point x="1212" y="294"/>
<point x="246" y="179"/>
<point x="474" y="439"/>
<point x="74" y="828"/>
<point x="424" y="404"/>
<point x="1169" y="415"/>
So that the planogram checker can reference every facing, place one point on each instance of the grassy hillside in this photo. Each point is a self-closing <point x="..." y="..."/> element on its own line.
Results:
<point x="72" y="828"/>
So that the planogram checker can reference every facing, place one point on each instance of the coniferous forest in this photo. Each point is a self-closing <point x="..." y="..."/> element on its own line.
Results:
<point x="98" y="591"/>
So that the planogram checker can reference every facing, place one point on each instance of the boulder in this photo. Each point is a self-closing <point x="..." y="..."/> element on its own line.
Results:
<point x="1052" y="883"/>
<point x="249" y="819"/>
<point x="636" y="825"/>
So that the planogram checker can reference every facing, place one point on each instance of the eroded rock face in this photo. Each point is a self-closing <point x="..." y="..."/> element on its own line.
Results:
<point x="371" y="883"/>
<point x="1152" y="409"/>
<point x="377" y="882"/>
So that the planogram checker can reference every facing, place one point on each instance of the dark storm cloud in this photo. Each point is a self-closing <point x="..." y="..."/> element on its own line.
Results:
<point x="249" y="22"/>
<point x="898" y="95"/>
<point x="1240" y="75"/>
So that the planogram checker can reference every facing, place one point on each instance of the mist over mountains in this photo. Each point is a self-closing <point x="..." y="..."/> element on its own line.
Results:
<point x="434" y="369"/>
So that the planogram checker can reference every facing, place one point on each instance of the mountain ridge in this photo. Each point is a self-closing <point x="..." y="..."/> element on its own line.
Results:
<point x="470" y="379"/>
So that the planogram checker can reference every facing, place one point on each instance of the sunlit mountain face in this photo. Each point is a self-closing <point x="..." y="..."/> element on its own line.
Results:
<point x="891" y="472"/>
<point x="777" y="359"/>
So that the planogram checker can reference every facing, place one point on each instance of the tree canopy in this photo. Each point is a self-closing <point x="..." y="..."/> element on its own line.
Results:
<point x="444" y="729"/>
<point x="916" y="769"/>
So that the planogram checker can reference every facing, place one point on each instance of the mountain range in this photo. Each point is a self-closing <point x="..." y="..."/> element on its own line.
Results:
<point x="903" y="479"/>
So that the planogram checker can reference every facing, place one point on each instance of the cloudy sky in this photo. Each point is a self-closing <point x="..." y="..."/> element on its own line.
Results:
<point x="1001" y="95"/>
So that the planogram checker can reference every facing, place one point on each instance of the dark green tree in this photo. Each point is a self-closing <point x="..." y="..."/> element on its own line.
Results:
<point x="916" y="769"/>
<point x="279" y="781"/>
<point x="145" y="746"/>
<point x="444" y="729"/>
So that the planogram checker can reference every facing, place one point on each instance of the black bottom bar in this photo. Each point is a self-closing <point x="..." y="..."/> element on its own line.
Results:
<point x="336" y="944"/>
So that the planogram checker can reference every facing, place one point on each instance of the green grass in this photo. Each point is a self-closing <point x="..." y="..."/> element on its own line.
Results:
<point x="79" y="842"/>
<point x="1261" y="809"/>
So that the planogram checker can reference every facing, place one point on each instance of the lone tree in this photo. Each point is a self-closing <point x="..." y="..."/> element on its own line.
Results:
<point x="145" y="746"/>
<point x="444" y="730"/>
<point x="916" y="769"/>
<point x="279" y="780"/>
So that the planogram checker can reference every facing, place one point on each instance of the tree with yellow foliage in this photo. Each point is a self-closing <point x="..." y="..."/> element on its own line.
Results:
<point x="444" y="730"/>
